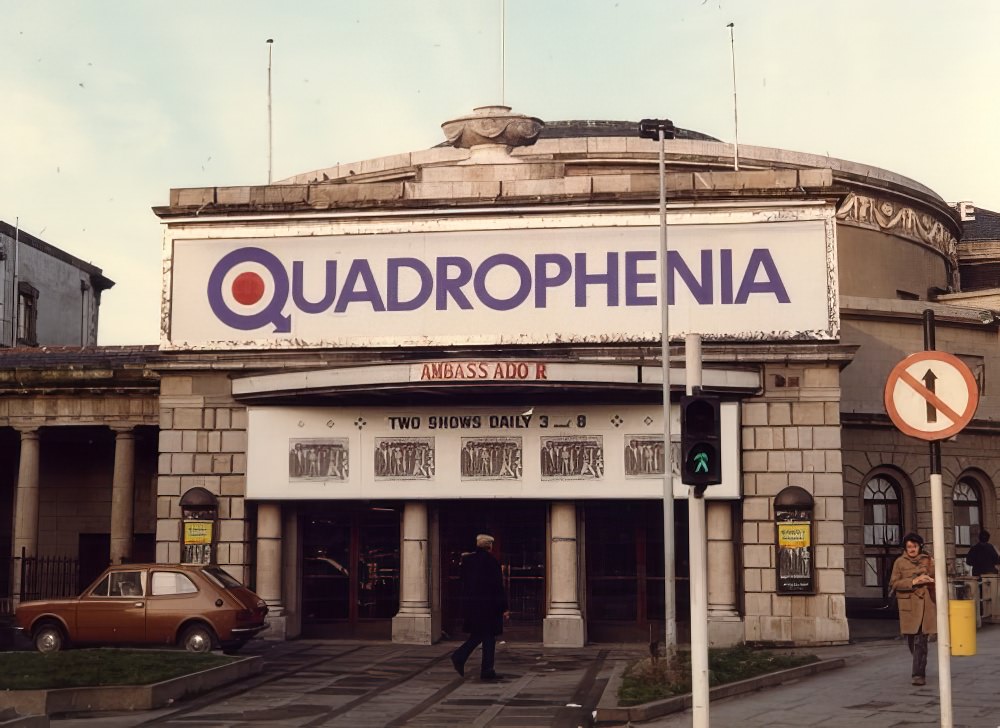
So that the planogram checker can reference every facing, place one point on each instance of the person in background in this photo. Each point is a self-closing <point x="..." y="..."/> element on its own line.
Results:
<point x="484" y="607"/>
<point x="983" y="557"/>
<point x="913" y="582"/>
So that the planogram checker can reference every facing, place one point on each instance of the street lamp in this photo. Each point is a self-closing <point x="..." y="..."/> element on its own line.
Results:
<point x="663" y="129"/>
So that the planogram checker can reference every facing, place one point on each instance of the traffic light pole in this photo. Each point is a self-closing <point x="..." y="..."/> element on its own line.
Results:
<point x="698" y="560"/>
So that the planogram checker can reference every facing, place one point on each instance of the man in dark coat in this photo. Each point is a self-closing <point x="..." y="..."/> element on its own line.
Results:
<point x="484" y="607"/>
<point x="983" y="557"/>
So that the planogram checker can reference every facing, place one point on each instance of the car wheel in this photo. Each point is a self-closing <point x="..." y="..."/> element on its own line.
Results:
<point x="49" y="638"/>
<point x="198" y="638"/>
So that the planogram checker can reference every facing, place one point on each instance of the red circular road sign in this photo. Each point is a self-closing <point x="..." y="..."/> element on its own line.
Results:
<point x="931" y="395"/>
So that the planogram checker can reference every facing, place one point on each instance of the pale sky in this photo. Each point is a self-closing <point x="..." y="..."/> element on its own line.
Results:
<point x="108" y="105"/>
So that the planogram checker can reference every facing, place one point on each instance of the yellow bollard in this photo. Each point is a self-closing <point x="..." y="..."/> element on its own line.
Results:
<point x="962" y="620"/>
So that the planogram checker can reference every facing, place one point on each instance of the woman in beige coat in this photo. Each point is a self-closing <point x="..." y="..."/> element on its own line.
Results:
<point x="913" y="581"/>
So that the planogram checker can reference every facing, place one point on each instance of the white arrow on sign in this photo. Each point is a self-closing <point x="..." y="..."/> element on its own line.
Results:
<point x="931" y="395"/>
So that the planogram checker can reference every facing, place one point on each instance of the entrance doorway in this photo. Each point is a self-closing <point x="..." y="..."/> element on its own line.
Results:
<point x="519" y="530"/>
<point x="350" y="570"/>
<point x="624" y="552"/>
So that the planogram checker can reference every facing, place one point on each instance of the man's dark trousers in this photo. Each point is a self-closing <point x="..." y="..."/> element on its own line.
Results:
<point x="489" y="642"/>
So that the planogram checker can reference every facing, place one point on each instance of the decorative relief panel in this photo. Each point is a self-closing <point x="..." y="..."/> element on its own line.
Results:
<point x="898" y="219"/>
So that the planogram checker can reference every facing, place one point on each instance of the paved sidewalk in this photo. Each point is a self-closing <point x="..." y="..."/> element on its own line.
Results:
<point x="320" y="683"/>
<point x="872" y="691"/>
<point x="357" y="684"/>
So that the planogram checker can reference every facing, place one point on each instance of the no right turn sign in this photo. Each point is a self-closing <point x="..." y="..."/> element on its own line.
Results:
<point x="931" y="395"/>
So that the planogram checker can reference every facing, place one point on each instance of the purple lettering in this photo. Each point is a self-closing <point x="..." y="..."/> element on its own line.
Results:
<point x="543" y="281"/>
<point x="726" y="276"/>
<point x="702" y="292"/>
<point x="360" y="272"/>
<point x="761" y="258"/>
<point x="329" y="294"/>
<point x="519" y="267"/>
<point x="633" y="278"/>
<point x="584" y="279"/>
<point x="452" y="286"/>
<point x="394" y="265"/>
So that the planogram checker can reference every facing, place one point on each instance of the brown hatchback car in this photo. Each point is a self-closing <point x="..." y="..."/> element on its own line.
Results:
<point x="194" y="606"/>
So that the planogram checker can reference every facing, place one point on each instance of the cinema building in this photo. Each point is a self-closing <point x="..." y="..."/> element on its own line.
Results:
<point x="363" y="366"/>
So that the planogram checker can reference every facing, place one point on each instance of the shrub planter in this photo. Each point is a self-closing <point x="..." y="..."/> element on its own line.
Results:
<point x="128" y="697"/>
<point x="610" y="713"/>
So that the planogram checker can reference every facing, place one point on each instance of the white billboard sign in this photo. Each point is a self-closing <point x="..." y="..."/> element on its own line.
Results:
<point x="772" y="280"/>
<point x="320" y="453"/>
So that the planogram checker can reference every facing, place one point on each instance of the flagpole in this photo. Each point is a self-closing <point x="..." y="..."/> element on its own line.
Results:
<point x="736" y="121"/>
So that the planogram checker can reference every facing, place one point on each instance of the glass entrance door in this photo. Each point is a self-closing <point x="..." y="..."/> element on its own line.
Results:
<point x="519" y="530"/>
<point x="350" y="570"/>
<point x="624" y="552"/>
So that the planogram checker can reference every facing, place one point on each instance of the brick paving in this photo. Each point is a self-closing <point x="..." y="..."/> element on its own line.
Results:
<point x="359" y="684"/>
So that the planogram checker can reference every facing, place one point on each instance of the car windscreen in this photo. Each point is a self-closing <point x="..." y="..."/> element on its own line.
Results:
<point x="222" y="576"/>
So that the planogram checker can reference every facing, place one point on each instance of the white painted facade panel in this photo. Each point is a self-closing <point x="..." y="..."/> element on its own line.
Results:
<point x="735" y="275"/>
<point x="551" y="452"/>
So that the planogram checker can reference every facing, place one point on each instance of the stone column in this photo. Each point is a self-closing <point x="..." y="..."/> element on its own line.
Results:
<point x="725" y="627"/>
<point x="563" y="625"/>
<point x="412" y="624"/>
<point x="269" y="568"/>
<point x="26" y="502"/>
<point x="122" y="495"/>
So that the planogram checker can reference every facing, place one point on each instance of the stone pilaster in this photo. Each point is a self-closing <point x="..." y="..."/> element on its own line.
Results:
<point x="563" y="625"/>
<point x="725" y="627"/>
<point x="269" y="567"/>
<point x="26" y="502"/>
<point x="412" y="624"/>
<point x="123" y="496"/>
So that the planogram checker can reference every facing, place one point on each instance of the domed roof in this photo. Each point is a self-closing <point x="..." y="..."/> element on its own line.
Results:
<point x="582" y="128"/>
<point x="598" y="128"/>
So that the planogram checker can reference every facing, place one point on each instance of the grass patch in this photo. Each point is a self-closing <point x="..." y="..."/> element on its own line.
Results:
<point x="90" y="668"/>
<point x="645" y="681"/>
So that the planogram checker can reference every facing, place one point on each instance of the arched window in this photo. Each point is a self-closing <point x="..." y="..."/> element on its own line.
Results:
<point x="883" y="528"/>
<point x="967" y="512"/>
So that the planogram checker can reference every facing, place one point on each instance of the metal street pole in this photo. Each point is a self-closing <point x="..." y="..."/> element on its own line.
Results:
<point x="663" y="129"/>
<point x="270" y="133"/>
<point x="940" y="572"/>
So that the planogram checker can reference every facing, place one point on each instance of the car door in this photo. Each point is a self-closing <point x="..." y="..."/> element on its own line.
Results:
<point x="113" y="611"/>
<point x="173" y="598"/>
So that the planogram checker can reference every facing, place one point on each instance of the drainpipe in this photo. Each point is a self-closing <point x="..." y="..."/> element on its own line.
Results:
<point x="15" y="300"/>
<point x="84" y="287"/>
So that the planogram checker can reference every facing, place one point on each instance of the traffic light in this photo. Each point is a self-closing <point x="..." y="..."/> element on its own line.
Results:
<point x="701" y="450"/>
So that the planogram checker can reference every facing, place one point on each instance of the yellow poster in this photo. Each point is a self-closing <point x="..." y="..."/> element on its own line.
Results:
<point x="197" y="532"/>
<point x="793" y="535"/>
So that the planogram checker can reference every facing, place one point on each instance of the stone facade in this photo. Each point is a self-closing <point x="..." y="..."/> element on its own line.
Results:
<point x="810" y="401"/>
<point x="203" y="445"/>
<point x="792" y="437"/>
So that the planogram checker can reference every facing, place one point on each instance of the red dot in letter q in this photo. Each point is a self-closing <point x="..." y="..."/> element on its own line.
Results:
<point x="248" y="288"/>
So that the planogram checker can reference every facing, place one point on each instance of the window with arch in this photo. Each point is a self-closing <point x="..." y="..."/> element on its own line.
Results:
<point x="883" y="527"/>
<point x="967" y="513"/>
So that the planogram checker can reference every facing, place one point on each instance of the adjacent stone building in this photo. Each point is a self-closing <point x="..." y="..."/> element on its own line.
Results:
<point x="47" y="296"/>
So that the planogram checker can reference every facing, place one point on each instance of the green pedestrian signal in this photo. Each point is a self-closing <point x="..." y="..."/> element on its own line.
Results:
<point x="701" y="448"/>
